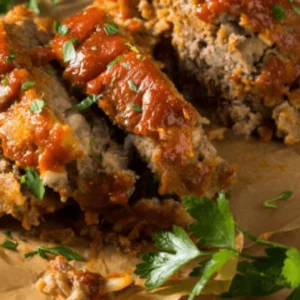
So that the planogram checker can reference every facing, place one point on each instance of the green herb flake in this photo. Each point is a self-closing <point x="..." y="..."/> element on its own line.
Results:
<point x="94" y="48"/>
<point x="34" y="183"/>
<point x="26" y="85"/>
<point x="296" y="9"/>
<point x="75" y="41"/>
<point x="37" y="106"/>
<point x="7" y="233"/>
<point x="5" y="81"/>
<point x="132" y="86"/>
<point x="97" y="156"/>
<point x="9" y="245"/>
<point x="58" y="250"/>
<point x="5" y="6"/>
<point x="278" y="12"/>
<point x="11" y="57"/>
<point x="132" y="47"/>
<point x="33" y="5"/>
<point x="281" y="197"/>
<point x="60" y="28"/>
<point x="136" y="108"/>
<point x="115" y="61"/>
<point x="69" y="51"/>
<point x="86" y="103"/>
<point x="125" y="65"/>
<point x="111" y="29"/>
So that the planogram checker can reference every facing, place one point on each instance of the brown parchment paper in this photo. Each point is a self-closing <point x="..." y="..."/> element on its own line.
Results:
<point x="264" y="170"/>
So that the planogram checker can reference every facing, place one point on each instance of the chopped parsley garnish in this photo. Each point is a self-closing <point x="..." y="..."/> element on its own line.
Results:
<point x="132" y="47"/>
<point x="33" y="5"/>
<point x="50" y="70"/>
<point x="214" y="227"/>
<point x="94" y="48"/>
<point x="97" y="156"/>
<point x="10" y="245"/>
<point x="296" y="9"/>
<point x="60" y="28"/>
<point x="86" y="103"/>
<point x="283" y="196"/>
<point x="132" y="86"/>
<point x="136" y="108"/>
<point x="37" y="106"/>
<point x="112" y="81"/>
<point x="69" y="51"/>
<point x="7" y="233"/>
<point x="111" y="29"/>
<point x="5" y="6"/>
<point x="34" y="183"/>
<point x="59" y="250"/>
<point x="115" y="61"/>
<point x="11" y="57"/>
<point x="75" y="41"/>
<point x="140" y="57"/>
<point x="5" y="80"/>
<point x="278" y="12"/>
<point x="125" y="65"/>
<point x="26" y="85"/>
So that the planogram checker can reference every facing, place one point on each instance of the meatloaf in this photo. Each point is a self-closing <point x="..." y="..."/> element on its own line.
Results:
<point x="40" y="131"/>
<point x="247" y="53"/>
<point x="166" y="130"/>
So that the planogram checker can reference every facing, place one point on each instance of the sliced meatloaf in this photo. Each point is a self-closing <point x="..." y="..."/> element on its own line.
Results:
<point x="38" y="128"/>
<point x="139" y="98"/>
<point x="245" y="52"/>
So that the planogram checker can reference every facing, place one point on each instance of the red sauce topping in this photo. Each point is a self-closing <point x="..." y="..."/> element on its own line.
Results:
<point x="42" y="56"/>
<point x="258" y="16"/>
<point x="139" y="98"/>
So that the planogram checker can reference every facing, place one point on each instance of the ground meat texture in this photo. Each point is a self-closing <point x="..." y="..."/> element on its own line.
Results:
<point x="72" y="158"/>
<point x="63" y="281"/>
<point x="141" y="100"/>
<point x="239" y="50"/>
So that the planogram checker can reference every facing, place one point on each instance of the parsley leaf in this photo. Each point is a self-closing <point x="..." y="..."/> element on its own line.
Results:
<point x="278" y="12"/>
<point x="5" y="6"/>
<point x="94" y="48"/>
<point x="113" y="62"/>
<point x="260" y="277"/>
<point x="37" y="106"/>
<point x="9" y="245"/>
<point x="58" y="250"/>
<point x="32" y="4"/>
<point x="99" y="156"/>
<point x="34" y="183"/>
<point x="86" y="103"/>
<point x="5" y="80"/>
<point x="291" y="268"/>
<point x="132" y="86"/>
<point x="283" y="196"/>
<point x="136" y="107"/>
<point x="217" y="233"/>
<point x="7" y="233"/>
<point x="60" y="28"/>
<point x="26" y="85"/>
<point x="111" y="29"/>
<point x="69" y="51"/>
<point x="218" y="260"/>
<point x="11" y="57"/>
<point x="158" y="267"/>
<point x="132" y="47"/>
<point x="296" y="9"/>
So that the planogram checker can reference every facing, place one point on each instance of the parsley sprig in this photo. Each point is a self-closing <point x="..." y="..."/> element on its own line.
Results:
<point x="214" y="227"/>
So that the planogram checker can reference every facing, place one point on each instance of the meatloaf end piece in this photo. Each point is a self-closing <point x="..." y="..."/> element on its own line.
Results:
<point x="139" y="98"/>
<point x="242" y="52"/>
<point x="56" y="141"/>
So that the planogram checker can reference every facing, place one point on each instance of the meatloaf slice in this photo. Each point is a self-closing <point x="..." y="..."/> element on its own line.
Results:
<point x="38" y="129"/>
<point x="140" y="99"/>
<point x="243" y="51"/>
